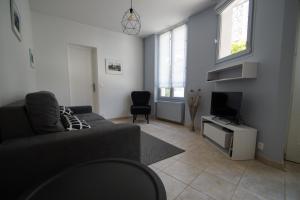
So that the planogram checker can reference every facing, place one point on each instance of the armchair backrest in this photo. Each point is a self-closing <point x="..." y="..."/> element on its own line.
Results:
<point x="140" y="98"/>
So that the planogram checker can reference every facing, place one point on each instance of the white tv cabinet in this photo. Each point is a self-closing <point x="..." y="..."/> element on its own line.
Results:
<point x="237" y="141"/>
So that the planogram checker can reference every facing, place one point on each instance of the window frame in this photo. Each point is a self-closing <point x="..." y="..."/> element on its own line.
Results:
<point x="171" y="98"/>
<point x="221" y="7"/>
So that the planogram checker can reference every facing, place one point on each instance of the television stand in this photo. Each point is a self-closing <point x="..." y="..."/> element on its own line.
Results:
<point x="236" y="141"/>
<point x="222" y="120"/>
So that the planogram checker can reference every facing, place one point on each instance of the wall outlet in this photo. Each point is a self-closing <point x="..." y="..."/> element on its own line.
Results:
<point x="260" y="146"/>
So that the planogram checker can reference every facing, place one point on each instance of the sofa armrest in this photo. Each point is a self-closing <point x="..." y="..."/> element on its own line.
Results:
<point x="81" y="109"/>
<point x="30" y="161"/>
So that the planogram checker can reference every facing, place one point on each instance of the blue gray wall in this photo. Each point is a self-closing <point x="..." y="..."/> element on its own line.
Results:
<point x="266" y="99"/>
<point x="150" y="60"/>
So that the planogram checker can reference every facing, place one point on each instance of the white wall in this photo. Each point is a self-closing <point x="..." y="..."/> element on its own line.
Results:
<point x="16" y="76"/>
<point x="51" y="36"/>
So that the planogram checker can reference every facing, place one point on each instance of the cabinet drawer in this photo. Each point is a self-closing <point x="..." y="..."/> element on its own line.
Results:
<point x="217" y="134"/>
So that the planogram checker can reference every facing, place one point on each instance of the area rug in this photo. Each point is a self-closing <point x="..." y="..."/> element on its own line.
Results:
<point x="154" y="149"/>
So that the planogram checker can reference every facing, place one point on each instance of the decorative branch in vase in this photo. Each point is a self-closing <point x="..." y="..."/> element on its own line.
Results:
<point x="193" y="102"/>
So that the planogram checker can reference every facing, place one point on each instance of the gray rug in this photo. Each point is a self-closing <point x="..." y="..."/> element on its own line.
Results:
<point x="154" y="149"/>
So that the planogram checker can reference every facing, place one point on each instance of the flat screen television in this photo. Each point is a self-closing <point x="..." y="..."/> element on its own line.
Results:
<point x="226" y="105"/>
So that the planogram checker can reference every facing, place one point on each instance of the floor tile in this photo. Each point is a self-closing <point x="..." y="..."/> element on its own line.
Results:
<point x="243" y="194"/>
<point x="198" y="159"/>
<point x="264" y="181"/>
<point x="173" y="186"/>
<point x="292" y="184"/>
<point x="165" y="163"/>
<point x="192" y="194"/>
<point x="182" y="171"/>
<point x="213" y="186"/>
<point x="227" y="170"/>
<point x="153" y="168"/>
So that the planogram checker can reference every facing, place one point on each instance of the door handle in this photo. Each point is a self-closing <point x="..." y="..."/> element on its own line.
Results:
<point x="94" y="87"/>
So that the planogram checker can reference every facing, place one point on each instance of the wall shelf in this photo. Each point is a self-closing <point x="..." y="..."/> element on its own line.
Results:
<point x="237" y="71"/>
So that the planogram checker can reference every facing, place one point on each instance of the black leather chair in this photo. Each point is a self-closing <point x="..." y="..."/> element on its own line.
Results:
<point x="140" y="100"/>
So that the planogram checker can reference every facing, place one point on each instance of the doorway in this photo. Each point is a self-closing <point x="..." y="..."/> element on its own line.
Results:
<point x="293" y="145"/>
<point x="83" y="76"/>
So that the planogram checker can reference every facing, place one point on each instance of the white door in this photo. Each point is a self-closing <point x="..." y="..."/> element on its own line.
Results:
<point x="82" y="85"/>
<point x="293" y="146"/>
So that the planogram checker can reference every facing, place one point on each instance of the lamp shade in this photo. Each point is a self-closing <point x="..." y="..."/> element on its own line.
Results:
<point x="131" y="23"/>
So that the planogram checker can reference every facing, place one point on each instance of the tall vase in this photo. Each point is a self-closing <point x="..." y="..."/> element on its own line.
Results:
<point x="193" y="102"/>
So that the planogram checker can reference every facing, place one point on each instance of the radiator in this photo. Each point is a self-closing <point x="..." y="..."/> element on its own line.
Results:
<point x="171" y="111"/>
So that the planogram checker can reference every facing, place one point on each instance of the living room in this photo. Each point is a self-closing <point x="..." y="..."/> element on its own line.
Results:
<point x="150" y="84"/>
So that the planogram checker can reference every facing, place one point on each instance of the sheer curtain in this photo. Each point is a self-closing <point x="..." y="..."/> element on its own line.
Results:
<point x="179" y="60"/>
<point x="172" y="61"/>
<point x="165" y="60"/>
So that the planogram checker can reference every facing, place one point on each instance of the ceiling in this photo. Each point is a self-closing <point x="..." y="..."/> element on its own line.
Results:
<point x="156" y="15"/>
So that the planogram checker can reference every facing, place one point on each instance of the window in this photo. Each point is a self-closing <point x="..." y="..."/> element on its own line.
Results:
<point x="172" y="63"/>
<point x="235" y="18"/>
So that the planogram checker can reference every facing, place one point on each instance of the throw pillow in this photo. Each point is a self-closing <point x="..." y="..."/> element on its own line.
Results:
<point x="71" y="123"/>
<point x="64" y="110"/>
<point x="43" y="112"/>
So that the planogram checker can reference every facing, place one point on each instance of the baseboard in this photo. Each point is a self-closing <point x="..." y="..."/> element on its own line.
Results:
<point x="166" y="120"/>
<point x="266" y="161"/>
<point x="129" y="117"/>
<point x="120" y="118"/>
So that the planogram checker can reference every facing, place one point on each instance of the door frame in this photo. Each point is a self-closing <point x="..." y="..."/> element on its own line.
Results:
<point x="296" y="54"/>
<point x="95" y="68"/>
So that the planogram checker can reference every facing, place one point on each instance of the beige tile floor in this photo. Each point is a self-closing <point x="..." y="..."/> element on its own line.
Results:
<point x="204" y="173"/>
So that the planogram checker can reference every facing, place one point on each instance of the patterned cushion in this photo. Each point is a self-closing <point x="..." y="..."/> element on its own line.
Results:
<point x="72" y="123"/>
<point x="64" y="110"/>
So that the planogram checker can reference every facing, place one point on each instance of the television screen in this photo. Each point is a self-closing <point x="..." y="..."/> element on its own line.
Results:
<point x="226" y="104"/>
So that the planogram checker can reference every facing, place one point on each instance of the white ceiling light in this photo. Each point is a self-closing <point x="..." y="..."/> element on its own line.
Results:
<point x="131" y="22"/>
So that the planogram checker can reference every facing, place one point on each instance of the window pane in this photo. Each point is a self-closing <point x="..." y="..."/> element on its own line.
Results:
<point x="178" y="92"/>
<point x="165" y="92"/>
<point x="165" y="60"/>
<point x="234" y="28"/>
<point x="179" y="57"/>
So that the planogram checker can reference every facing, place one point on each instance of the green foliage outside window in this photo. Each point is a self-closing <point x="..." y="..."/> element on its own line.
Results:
<point x="165" y="92"/>
<point x="238" y="46"/>
<point x="168" y="92"/>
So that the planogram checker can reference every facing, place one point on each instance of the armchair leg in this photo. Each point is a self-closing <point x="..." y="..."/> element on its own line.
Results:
<point x="147" y="118"/>
<point x="133" y="118"/>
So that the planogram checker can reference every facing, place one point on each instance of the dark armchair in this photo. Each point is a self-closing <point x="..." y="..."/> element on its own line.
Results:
<point x="140" y="100"/>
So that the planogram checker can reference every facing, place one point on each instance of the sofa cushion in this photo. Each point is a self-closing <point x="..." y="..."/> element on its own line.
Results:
<point x="43" y="112"/>
<point x="72" y="123"/>
<point x="64" y="110"/>
<point x="14" y="122"/>
<point x="100" y="123"/>
<point x="90" y="117"/>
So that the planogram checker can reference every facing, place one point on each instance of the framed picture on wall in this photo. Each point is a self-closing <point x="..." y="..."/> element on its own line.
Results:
<point x="113" y="67"/>
<point x="16" y="21"/>
<point x="31" y="58"/>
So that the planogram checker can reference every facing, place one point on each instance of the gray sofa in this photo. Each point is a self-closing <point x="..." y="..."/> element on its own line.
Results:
<point x="28" y="158"/>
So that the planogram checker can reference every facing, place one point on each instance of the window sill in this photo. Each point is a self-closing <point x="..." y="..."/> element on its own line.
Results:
<point x="234" y="56"/>
<point x="173" y="100"/>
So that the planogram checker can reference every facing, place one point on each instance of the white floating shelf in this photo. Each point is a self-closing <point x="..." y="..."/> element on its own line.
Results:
<point x="237" y="71"/>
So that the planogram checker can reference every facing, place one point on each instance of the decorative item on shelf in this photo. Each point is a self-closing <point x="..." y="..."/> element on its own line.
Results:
<point x="131" y="22"/>
<point x="16" y="22"/>
<point x="193" y="102"/>
<point x="113" y="67"/>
